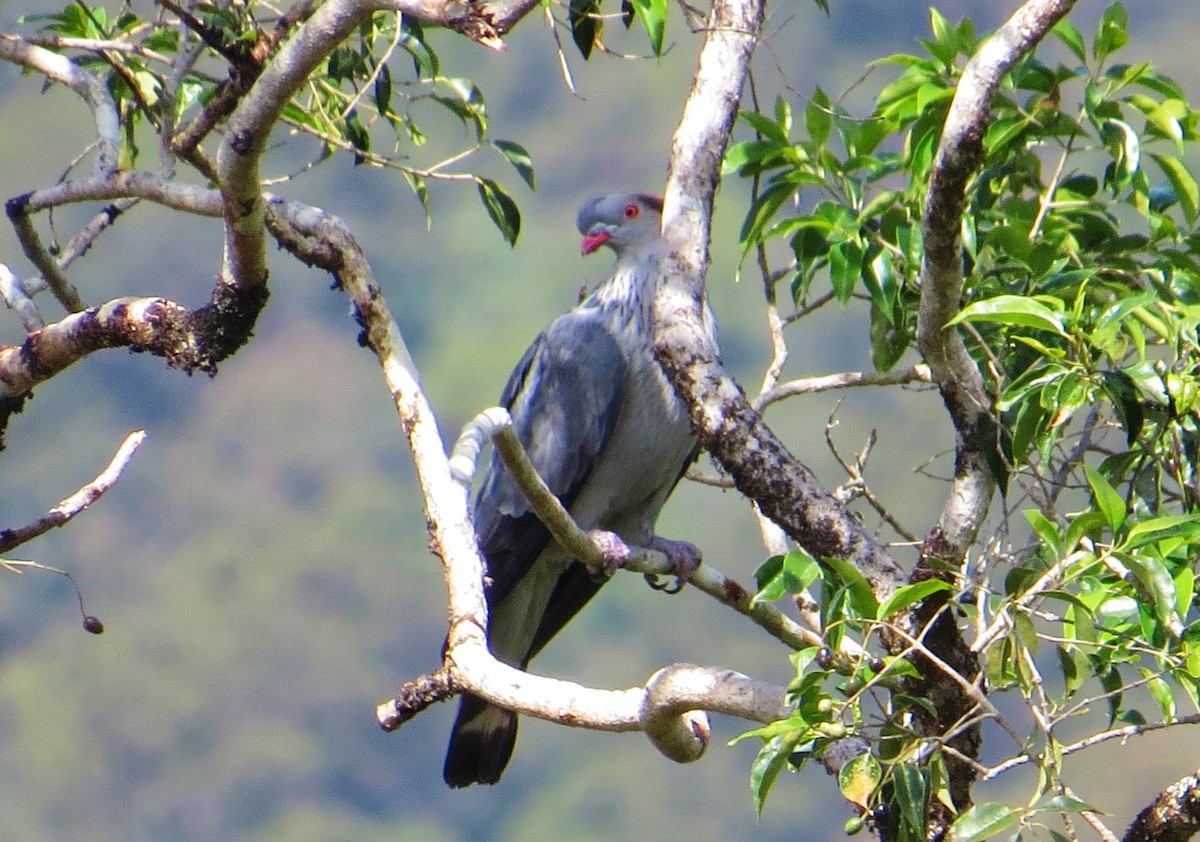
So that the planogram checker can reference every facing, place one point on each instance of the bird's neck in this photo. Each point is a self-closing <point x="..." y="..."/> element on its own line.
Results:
<point x="629" y="291"/>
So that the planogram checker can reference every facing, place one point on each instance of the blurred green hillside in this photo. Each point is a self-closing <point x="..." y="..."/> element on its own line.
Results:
<point x="262" y="568"/>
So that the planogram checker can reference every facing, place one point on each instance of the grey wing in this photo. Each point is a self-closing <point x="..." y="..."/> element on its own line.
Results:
<point x="564" y="397"/>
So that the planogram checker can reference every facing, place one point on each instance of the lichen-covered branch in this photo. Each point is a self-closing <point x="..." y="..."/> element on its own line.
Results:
<point x="1174" y="816"/>
<point x="958" y="158"/>
<point x="959" y="155"/>
<point x="725" y="422"/>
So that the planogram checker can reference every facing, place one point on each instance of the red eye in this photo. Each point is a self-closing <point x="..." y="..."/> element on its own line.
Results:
<point x="631" y="211"/>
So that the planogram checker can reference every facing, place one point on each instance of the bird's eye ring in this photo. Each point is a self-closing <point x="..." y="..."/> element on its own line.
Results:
<point x="631" y="211"/>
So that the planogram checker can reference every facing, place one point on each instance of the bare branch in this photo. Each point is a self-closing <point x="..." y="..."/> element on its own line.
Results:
<point x="87" y="85"/>
<point x="918" y="373"/>
<point x="77" y="502"/>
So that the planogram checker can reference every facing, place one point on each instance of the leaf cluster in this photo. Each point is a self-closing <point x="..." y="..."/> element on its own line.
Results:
<point x="1081" y="261"/>
<point x="377" y="91"/>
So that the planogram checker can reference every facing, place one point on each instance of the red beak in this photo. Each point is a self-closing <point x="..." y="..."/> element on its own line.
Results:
<point x="591" y="242"/>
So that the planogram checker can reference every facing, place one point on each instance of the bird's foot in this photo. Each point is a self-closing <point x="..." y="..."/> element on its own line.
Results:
<point x="684" y="558"/>
<point x="614" y="549"/>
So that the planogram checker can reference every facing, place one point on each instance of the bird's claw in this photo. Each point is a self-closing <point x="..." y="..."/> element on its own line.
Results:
<point x="684" y="558"/>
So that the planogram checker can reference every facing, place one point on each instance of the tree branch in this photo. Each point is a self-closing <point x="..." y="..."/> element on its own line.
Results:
<point x="918" y="373"/>
<point x="723" y="419"/>
<point x="77" y="502"/>
<point x="959" y="155"/>
<point x="495" y="424"/>
<point x="1174" y="816"/>
<point x="89" y="86"/>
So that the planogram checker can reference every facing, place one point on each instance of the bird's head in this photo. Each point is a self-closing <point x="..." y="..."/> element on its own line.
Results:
<point x="621" y="221"/>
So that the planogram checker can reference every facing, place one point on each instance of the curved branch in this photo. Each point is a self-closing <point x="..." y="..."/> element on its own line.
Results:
<point x="87" y="85"/>
<point x="724" y="421"/>
<point x="495" y="424"/>
<point x="669" y="708"/>
<point x="959" y="156"/>
<point x="250" y="125"/>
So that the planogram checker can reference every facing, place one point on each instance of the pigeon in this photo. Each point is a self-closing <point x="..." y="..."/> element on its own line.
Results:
<point x="607" y="433"/>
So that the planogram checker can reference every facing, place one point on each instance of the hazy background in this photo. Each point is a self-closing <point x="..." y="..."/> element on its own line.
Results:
<point x="262" y="568"/>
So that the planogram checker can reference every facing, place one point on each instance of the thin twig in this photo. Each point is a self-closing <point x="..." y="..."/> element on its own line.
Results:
<point x="77" y="502"/>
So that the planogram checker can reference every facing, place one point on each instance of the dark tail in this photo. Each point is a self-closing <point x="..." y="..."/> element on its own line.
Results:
<point x="481" y="743"/>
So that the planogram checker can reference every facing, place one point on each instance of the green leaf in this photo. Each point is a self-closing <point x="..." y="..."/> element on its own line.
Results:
<point x="771" y="760"/>
<point x="942" y="31"/>
<point x="910" y="595"/>
<point x="383" y="91"/>
<point x="653" y="15"/>
<point x="1110" y="503"/>
<point x="1026" y="631"/>
<point x="845" y="268"/>
<point x="786" y="574"/>
<point x="981" y="822"/>
<point x="890" y="337"/>
<point x="1070" y="36"/>
<point x="766" y="127"/>
<point x="1162" y="694"/>
<point x="501" y="208"/>
<point x="1064" y="804"/>
<point x="761" y="212"/>
<point x="1111" y="34"/>
<point x="818" y="117"/>
<point x="1156" y="581"/>
<point x="417" y="183"/>
<point x="748" y="157"/>
<point x="1017" y="310"/>
<point x="357" y="134"/>
<point x="862" y="598"/>
<point x="1045" y="529"/>
<point x="1125" y="147"/>
<point x="1161" y="115"/>
<point x="911" y="793"/>
<point x="1158" y="528"/>
<point x="1183" y="183"/>
<point x="516" y="155"/>
<point x="585" y="26"/>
